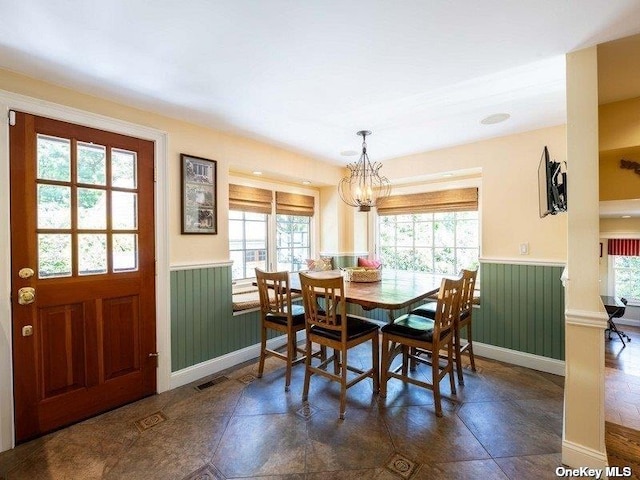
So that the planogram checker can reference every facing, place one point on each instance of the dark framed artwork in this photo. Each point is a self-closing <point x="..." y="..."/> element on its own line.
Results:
<point x="199" y="195"/>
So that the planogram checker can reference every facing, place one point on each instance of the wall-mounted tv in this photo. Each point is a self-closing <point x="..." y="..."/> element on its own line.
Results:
<point x="552" y="185"/>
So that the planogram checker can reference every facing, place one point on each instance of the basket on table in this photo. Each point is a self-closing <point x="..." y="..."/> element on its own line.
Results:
<point x="362" y="274"/>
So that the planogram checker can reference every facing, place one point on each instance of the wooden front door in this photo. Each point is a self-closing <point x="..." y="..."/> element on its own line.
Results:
<point x="82" y="272"/>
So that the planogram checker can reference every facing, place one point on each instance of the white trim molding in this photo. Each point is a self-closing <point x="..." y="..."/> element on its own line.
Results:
<point x="224" y="362"/>
<point x="576" y="456"/>
<point x="521" y="261"/>
<point x="522" y="359"/>
<point x="12" y="101"/>
<point x="586" y="318"/>
<point x="195" y="266"/>
<point x="344" y="254"/>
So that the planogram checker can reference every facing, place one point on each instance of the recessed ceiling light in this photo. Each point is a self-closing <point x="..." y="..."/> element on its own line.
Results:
<point x="447" y="174"/>
<point x="495" y="118"/>
<point x="256" y="172"/>
<point x="349" y="153"/>
<point x="626" y="216"/>
<point x="306" y="182"/>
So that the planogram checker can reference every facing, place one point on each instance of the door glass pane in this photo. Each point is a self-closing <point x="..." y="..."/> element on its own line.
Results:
<point x="54" y="255"/>
<point x="123" y="168"/>
<point x="54" y="158"/>
<point x="124" y="211"/>
<point x="54" y="206"/>
<point x="92" y="254"/>
<point x="92" y="209"/>
<point x="92" y="165"/>
<point x="125" y="252"/>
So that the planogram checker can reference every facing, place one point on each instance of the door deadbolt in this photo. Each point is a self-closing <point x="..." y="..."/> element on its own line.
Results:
<point x="26" y="295"/>
<point x="26" y="273"/>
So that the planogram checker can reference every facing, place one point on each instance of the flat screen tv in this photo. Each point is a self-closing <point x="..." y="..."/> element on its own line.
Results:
<point x="552" y="185"/>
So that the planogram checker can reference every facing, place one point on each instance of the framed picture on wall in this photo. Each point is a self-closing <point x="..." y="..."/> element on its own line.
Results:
<point x="199" y="195"/>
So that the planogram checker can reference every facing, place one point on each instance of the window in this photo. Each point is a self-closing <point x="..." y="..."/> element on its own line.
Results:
<point x="626" y="275"/>
<point x="293" y="242"/>
<point x="440" y="242"/>
<point x="266" y="237"/>
<point x="247" y="243"/>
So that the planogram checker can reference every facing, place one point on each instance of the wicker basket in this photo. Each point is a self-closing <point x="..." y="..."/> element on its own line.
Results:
<point x="362" y="274"/>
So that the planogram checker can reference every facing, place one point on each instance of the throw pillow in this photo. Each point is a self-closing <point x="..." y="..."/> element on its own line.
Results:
<point x="320" y="264"/>
<point x="365" y="262"/>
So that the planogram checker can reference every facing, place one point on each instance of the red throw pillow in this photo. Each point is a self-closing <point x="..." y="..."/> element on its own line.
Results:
<point x="365" y="262"/>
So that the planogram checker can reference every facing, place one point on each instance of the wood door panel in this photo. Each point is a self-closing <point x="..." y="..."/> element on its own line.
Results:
<point x="120" y="336"/>
<point x="92" y="334"/>
<point x="62" y="338"/>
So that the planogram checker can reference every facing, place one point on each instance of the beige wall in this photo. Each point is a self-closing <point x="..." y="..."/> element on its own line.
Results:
<point x="231" y="152"/>
<point x="509" y="190"/>
<point x="619" y="124"/>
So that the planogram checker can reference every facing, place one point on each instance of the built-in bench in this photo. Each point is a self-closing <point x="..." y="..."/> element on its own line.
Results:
<point x="246" y="298"/>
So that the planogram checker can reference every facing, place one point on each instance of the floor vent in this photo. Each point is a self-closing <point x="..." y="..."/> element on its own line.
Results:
<point x="211" y="383"/>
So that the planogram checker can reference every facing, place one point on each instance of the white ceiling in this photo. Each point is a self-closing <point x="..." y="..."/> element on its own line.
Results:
<point x="306" y="75"/>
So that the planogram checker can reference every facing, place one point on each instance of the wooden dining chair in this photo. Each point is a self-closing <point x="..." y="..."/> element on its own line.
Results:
<point x="328" y="324"/>
<point x="278" y="313"/>
<point x="411" y="334"/>
<point x="468" y="278"/>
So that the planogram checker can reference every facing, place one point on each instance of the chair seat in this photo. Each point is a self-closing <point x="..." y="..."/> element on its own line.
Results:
<point x="413" y="326"/>
<point x="356" y="327"/>
<point x="428" y="310"/>
<point x="297" y="315"/>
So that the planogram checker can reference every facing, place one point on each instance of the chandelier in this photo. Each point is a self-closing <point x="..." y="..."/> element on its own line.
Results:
<point x="364" y="187"/>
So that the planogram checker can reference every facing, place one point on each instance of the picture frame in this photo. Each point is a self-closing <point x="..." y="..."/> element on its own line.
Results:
<point x="199" y="204"/>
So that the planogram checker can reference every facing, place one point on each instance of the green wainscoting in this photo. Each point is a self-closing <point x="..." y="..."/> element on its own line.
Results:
<point x="341" y="261"/>
<point x="522" y="308"/>
<point x="202" y="323"/>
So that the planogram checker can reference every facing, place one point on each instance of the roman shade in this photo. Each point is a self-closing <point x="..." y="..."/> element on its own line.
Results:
<point x="250" y="199"/>
<point x="456" y="200"/>
<point x="629" y="247"/>
<point x="294" y="204"/>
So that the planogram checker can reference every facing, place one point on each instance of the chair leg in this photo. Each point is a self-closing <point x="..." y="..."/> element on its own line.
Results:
<point x="375" y="358"/>
<point x="263" y="348"/>
<point x="435" y="380"/>
<point x="336" y="361"/>
<point x="458" y="356"/>
<point x="343" y="384"/>
<point x="405" y="360"/>
<point x="470" y="347"/>
<point x="450" y="366"/>
<point x="384" y="367"/>
<point x="291" y="354"/>
<point x="307" y="372"/>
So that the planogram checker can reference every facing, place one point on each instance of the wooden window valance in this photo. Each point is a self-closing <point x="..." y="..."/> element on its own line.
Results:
<point x="456" y="200"/>
<point x="629" y="247"/>
<point x="294" y="204"/>
<point x="250" y="199"/>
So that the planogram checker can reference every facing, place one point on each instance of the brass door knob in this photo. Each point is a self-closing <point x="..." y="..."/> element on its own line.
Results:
<point x="26" y="295"/>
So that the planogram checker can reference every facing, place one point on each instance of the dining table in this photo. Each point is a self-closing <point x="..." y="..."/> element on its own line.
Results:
<point x="396" y="290"/>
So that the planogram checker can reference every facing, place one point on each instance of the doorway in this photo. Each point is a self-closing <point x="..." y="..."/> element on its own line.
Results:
<point x="83" y="272"/>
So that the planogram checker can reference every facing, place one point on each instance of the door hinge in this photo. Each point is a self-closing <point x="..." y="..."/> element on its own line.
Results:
<point x="12" y="118"/>
<point x="155" y="173"/>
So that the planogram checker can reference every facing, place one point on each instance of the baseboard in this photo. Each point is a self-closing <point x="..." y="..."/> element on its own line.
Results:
<point x="523" y="359"/>
<point x="576" y="456"/>
<point x="215" y="365"/>
<point x="627" y="321"/>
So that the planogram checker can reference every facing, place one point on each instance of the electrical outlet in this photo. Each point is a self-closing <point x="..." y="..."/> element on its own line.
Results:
<point x="524" y="248"/>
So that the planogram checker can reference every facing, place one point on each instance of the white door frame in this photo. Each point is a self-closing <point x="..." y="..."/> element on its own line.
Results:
<point x="11" y="101"/>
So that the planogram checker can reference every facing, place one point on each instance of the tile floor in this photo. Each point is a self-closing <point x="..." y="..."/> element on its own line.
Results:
<point x="506" y="422"/>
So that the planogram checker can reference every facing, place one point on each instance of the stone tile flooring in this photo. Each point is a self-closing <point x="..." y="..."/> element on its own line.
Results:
<point x="505" y="422"/>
